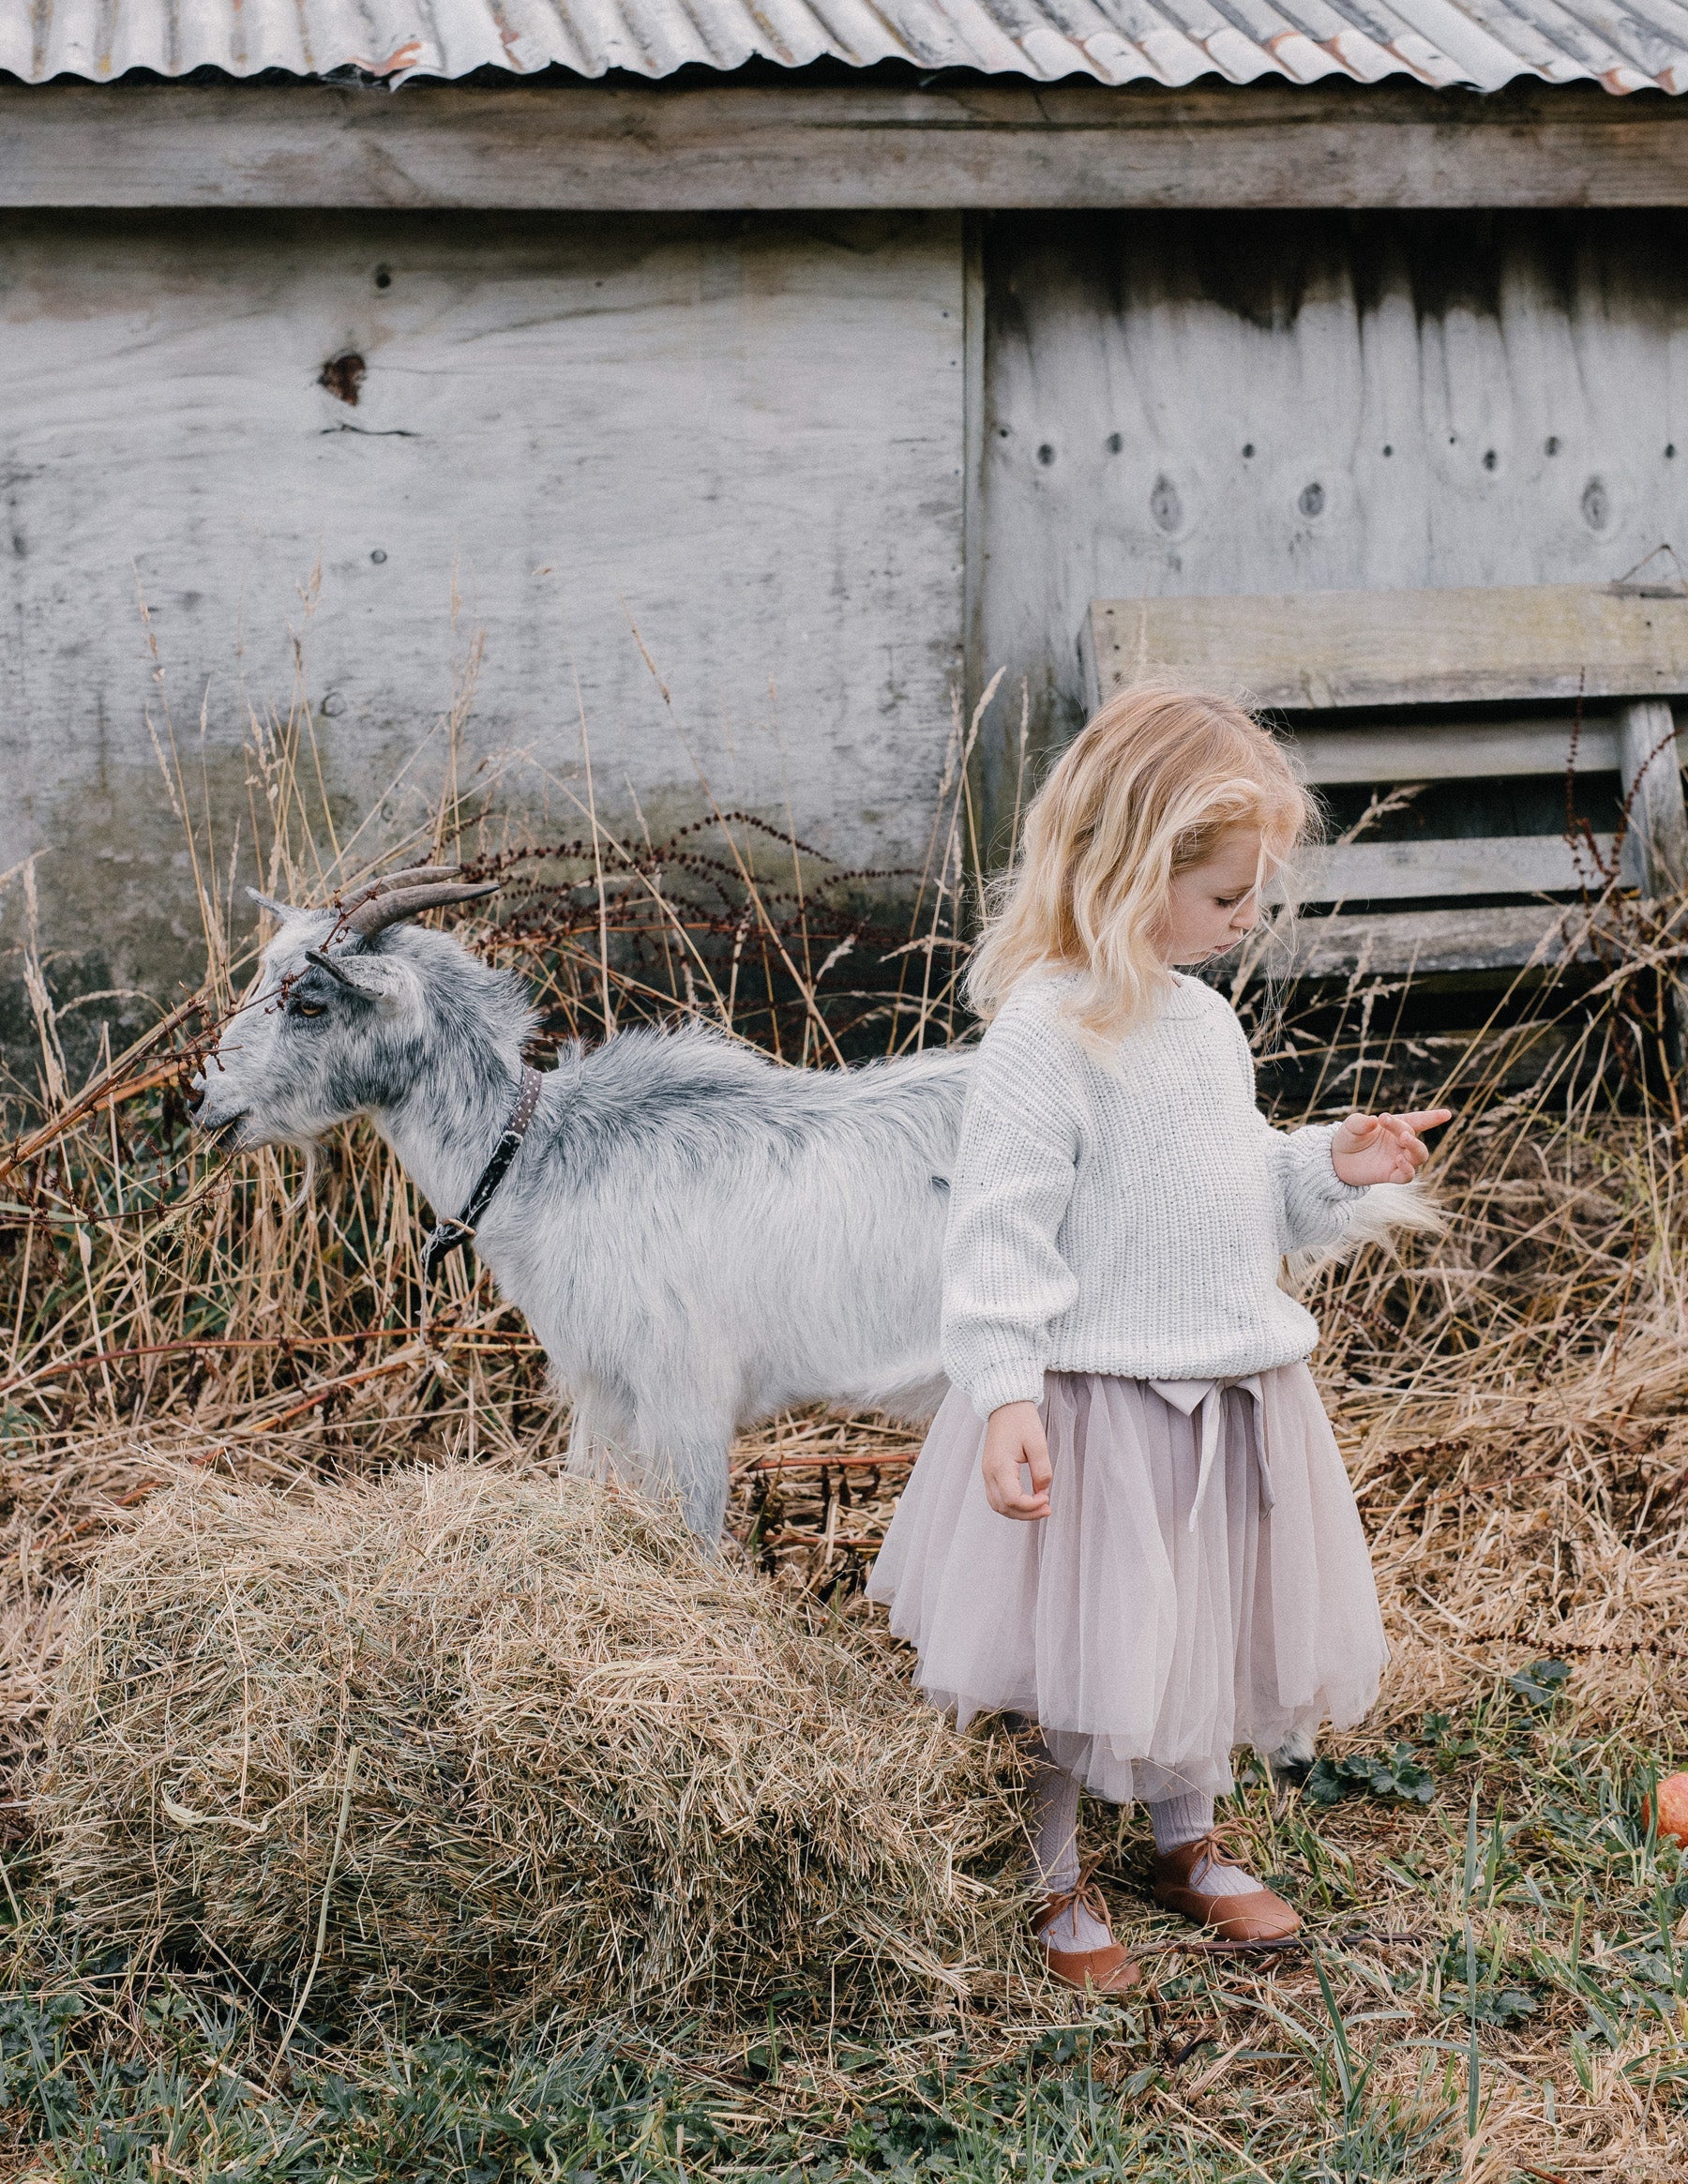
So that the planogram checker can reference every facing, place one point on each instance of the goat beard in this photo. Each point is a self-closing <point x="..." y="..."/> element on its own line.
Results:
<point x="306" y="1181"/>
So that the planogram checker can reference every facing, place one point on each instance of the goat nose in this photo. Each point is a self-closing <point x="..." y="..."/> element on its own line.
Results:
<point x="194" y="1093"/>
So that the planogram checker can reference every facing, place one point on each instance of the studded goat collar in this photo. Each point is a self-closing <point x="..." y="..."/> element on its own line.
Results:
<point x="447" y="1236"/>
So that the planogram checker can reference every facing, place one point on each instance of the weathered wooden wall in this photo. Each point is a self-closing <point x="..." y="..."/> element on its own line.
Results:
<point x="1313" y="402"/>
<point x="887" y="138"/>
<point x="751" y="435"/>
<point x="741" y="433"/>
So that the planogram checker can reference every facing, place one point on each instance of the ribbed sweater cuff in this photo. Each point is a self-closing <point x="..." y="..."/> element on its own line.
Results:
<point x="1315" y="1170"/>
<point x="1006" y="1383"/>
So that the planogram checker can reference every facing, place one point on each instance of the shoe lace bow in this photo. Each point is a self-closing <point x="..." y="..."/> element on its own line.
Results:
<point x="1224" y="1843"/>
<point x="1085" y="1894"/>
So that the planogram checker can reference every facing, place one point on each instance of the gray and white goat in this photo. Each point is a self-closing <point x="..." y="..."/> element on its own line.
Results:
<point x="697" y="1237"/>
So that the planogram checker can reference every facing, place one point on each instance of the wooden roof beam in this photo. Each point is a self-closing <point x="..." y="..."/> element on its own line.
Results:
<point x="969" y="142"/>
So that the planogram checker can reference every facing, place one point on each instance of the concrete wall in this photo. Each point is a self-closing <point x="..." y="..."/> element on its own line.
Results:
<point x="741" y="433"/>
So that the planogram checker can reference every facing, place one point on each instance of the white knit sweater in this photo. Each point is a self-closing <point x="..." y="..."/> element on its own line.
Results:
<point x="1126" y="1213"/>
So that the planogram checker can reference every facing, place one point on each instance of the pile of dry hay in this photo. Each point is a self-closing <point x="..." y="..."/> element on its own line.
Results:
<point x="530" y="1748"/>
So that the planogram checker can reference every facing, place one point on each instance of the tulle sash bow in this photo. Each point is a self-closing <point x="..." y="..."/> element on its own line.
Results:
<point x="1208" y="1396"/>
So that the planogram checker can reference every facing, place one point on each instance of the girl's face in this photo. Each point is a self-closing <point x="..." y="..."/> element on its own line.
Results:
<point x="1211" y="906"/>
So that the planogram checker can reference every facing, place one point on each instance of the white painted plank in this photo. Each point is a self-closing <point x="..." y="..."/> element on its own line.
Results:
<point x="743" y="438"/>
<point x="1467" y="750"/>
<point x="1480" y="865"/>
<point x="1427" y="647"/>
<point x="997" y="144"/>
<point x="1652" y="787"/>
<point x="1393" y="943"/>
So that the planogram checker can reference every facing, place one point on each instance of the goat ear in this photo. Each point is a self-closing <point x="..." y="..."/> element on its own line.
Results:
<point x="382" y="980"/>
<point x="276" y="910"/>
<point x="338" y="973"/>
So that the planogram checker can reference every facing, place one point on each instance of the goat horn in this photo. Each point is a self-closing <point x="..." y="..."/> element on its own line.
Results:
<point x="381" y="910"/>
<point x="417" y="876"/>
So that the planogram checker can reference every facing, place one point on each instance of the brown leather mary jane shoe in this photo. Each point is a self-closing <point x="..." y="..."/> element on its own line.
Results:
<point x="1256" y="1919"/>
<point x="1109" y="1971"/>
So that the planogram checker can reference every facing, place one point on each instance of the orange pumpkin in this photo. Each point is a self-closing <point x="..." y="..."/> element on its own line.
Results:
<point x="1673" y="1809"/>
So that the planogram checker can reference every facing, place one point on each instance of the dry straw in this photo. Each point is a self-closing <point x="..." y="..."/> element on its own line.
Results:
<point x="510" y="1748"/>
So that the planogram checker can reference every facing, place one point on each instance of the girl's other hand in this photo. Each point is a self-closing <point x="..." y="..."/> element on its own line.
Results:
<point x="1383" y="1148"/>
<point x="1014" y="1440"/>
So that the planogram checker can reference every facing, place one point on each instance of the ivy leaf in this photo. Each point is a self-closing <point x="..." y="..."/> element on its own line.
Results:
<point x="1370" y="1775"/>
<point x="1324" y="1785"/>
<point x="1539" y="1684"/>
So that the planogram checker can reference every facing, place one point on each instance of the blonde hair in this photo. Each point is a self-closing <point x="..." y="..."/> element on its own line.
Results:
<point x="1142" y="793"/>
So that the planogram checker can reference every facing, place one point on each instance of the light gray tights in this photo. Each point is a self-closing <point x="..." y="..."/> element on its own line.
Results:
<point x="1055" y="1851"/>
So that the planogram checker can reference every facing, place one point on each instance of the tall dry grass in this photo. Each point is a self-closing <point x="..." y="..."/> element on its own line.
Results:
<point x="1510" y="1399"/>
<point x="159" y="1301"/>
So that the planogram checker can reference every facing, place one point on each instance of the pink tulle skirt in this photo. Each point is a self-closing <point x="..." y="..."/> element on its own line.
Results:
<point x="1167" y="1610"/>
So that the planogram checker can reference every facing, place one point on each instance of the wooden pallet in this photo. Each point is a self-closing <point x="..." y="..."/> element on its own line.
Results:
<point x="1381" y="689"/>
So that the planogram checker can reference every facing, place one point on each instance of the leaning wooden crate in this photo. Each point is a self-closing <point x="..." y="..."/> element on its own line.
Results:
<point x="1389" y="688"/>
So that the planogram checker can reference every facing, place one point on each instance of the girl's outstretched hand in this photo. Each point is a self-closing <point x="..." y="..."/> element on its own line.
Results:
<point x="1014" y="1438"/>
<point x="1383" y="1148"/>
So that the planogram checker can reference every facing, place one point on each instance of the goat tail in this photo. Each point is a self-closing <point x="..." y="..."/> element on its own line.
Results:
<point x="1387" y="1210"/>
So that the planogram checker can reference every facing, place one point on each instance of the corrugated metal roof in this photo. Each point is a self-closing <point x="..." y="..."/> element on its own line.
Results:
<point x="1627" y="45"/>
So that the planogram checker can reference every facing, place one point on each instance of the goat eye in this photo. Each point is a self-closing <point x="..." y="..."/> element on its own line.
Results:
<point x="308" y="1008"/>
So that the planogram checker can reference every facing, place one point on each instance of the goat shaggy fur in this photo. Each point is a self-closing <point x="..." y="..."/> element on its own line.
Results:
<point x="699" y="1237"/>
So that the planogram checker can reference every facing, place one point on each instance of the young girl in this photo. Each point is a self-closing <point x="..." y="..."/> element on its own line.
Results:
<point x="1130" y="1522"/>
